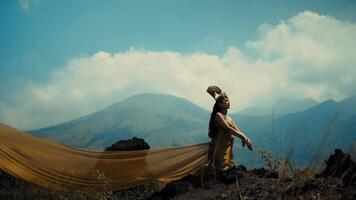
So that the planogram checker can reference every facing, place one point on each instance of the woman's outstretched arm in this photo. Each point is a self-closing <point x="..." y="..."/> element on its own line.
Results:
<point x="222" y="122"/>
<point x="247" y="142"/>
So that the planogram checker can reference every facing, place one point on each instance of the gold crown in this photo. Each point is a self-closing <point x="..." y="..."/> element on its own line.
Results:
<point x="215" y="92"/>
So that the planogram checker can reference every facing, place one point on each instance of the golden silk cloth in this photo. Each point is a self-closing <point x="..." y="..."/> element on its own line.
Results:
<point x="60" y="167"/>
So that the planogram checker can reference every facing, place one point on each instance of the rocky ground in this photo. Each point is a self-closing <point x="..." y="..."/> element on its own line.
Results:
<point x="335" y="181"/>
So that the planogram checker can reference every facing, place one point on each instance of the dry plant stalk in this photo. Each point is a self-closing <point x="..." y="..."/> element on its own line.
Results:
<point x="318" y="154"/>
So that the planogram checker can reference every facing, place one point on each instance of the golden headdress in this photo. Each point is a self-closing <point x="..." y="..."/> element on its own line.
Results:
<point x="216" y="92"/>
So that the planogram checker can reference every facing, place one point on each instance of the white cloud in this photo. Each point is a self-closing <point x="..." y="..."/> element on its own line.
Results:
<point x="309" y="55"/>
<point x="316" y="50"/>
<point x="26" y="4"/>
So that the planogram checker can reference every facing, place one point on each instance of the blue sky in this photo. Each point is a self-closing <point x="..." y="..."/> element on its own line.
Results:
<point x="42" y="38"/>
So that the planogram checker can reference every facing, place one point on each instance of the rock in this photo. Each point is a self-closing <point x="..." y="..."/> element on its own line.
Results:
<point x="175" y="189"/>
<point x="229" y="177"/>
<point x="271" y="174"/>
<point x="195" y="180"/>
<point x="319" y="185"/>
<point x="209" y="184"/>
<point x="129" y="145"/>
<point x="241" y="168"/>
<point x="6" y="181"/>
<point x="260" y="172"/>
<point x="340" y="165"/>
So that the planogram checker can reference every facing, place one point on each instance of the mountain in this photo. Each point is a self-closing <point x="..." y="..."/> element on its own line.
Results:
<point x="280" y="107"/>
<point x="302" y="134"/>
<point x="169" y="121"/>
<point x="162" y="120"/>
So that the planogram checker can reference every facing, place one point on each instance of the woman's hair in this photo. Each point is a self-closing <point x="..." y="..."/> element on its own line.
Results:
<point x="216" y="109"/>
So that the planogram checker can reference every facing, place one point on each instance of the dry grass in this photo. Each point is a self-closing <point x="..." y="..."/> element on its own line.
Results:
<point x="316" y="157"/>
<point x="12" y="188"/>
<point x="285" y="166"/>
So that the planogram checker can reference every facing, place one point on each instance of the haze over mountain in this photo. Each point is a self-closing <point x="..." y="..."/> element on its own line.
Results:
<point x="162" y="120"/>
<point x="300" y="135"/>
<point x="166" y="121"/>
<point x="280" y="107"/>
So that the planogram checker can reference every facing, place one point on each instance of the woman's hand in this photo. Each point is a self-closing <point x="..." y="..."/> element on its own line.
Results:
<point x="246" y="141"/>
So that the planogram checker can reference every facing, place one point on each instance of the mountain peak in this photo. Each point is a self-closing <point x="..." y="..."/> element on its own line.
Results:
<point x="160" y="119"/>
<point x="156" y="101"/>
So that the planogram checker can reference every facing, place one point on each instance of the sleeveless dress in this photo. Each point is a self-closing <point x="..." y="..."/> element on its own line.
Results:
<point x="220" y="149"/>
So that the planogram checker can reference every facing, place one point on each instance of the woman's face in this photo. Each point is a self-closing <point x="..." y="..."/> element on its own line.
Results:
<point x="225" y="103"/>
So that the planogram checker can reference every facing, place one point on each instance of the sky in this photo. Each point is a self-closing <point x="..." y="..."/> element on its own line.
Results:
<point x="60" y="60"/>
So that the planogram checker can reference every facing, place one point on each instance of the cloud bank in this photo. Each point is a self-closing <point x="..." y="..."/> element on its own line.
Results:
<point x="306" y="56"/>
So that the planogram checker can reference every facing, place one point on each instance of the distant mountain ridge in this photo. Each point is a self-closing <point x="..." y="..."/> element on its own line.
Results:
<point x="281" y="107"/>
<point x="169" y="121"/>
<point x="162" y="120"/>
<point x="302" y="133"/>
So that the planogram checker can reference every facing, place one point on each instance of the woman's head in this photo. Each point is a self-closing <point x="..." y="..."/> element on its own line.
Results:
<point x="222" y="102"/>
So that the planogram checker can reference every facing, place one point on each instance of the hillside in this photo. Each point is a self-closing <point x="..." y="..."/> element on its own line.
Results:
<point x="300" y="135"/>
<point x="166" y="121"/>
<point x="162" y="120"/>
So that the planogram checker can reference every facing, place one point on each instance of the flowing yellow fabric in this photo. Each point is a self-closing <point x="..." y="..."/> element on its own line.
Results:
<point x="61" y="167"/>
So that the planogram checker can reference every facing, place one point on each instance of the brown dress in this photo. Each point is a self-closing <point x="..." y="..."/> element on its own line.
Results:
<point x="220" y="150"/>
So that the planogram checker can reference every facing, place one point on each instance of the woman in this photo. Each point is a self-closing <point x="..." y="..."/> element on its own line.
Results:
<point x="221" y="131"/>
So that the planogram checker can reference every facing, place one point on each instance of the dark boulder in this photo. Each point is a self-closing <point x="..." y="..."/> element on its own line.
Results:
<point x="7" y="182"/>
<point x="241" y="168"/>
<point x="264" y="173"/>
<point x="260" y="171"/>
<point x="129" y="145"/>
<point x="340" y="165"/>
<point x="174" y="189"/>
